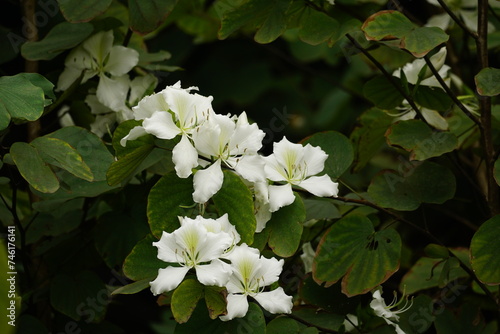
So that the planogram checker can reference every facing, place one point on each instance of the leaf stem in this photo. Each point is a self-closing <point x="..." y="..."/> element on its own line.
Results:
<point x="457" y="20"/>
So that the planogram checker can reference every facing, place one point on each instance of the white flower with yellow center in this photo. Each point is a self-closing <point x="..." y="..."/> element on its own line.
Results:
<point x="192" y="246"/>
<point x="296" y="164"/>
<point x="98" y="56"/>
<point x="251" y="274"/>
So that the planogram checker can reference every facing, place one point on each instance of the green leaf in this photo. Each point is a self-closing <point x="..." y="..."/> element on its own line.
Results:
<point x="274" y="24"/>
<point x="60" y="154"/>
<point x="132" y="288"/>
<point x="382" y="93"/>
<point x="142" y="262"/>
<point x="319" y="317"/>
<point x="166" y="201"/>
<point x="426" y="274"/>
<point x="42" y="82"/>
<point x="82" y="10"/>
<point x="127" y="165"/>
<point x="215" y="299"/>
<point x="317" y="27"/>
<point x="484" y="251"/>
<point x="419" y="317"/>
<point x="185" y="298"/>
<point x="61" y="37"/>
<point x="281" y="325"/>
<point x="339" y="150"/>
<point x="70" y="292"/>
<point x="387" y="25"/>
<point x="391" y="25"/>
<point x="416" y="137"/>
<point x="353" y="250"/>
<point x="89" y="146"/>
<point x="235" y="199"/>
<point x="253" y="322"/>
<point x="19" y="100"/>
<point x="488" y="81"/>
<point x="33" y="168"/>
<point x="147" y="15"/>
<point x="467" y="319"/>
<point x="422" y="40"/>
<point x="368" y="136"/>
<point x="286" y="228"/>
<point x="432" y="98"/>
<point x="425" y="182"/>
<point x="116" y="234"/>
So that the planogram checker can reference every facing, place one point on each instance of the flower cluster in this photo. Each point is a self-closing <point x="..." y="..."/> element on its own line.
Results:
<point x="209" y="141"/>
<point x="110" y="102"/>
<point x="209" y="246"/>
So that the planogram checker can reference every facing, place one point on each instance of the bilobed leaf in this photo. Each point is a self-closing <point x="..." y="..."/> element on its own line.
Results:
<point x="484" y="251"/>
<point x="125" y="166"/>
<point x="423" y="143"/>
<point x="166" y="201"/>
<point x="59" y="153"/>
<point x="69" y="290"/>
<point x="432" y="98"/>
<point x="275" y="23"/>
<point x="147" y="15"/>
<point x="33" y="168"/>
<point x="286" y="228"/>
<point x="121" y="131"/>
<point x="488" y="81"/>
<point x="339" y="150"/>
<point x="82" y="10"/>
<point x="40" y="81"/>
<point x="215" y="298"/>
<point x="19" y="100"/>
<point x="235" y="199"/>
<point x="390" y="25"/>
<point x="354" y="251"/>
<point x="317" y="27"/>
<point x="283" y="325"/>
<point x="320" y="316"/>
<point x="425" y="182"/>
<point x="185" y="298"/>
<point x="142" y="262"/>
<point x="387" y="25"/>
<point x="61" y="37"/>
<point x="368" y="136"/>
<point x="382" y="93"/>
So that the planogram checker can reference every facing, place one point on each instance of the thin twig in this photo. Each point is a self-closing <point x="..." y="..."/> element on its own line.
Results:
<point x="457" y="20"/>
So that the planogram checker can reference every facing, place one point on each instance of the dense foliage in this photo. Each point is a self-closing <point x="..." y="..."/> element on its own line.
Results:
<point x="250" y="166"/>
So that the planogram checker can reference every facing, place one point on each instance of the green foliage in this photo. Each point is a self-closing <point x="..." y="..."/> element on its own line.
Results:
<point x="82" y="11"/>
<point x="146" y="16"/>
<point x="185" y="298"/>
<point x="483" y="248"/>
<point x="353" y="250"/>
<point x="487" y="81"/>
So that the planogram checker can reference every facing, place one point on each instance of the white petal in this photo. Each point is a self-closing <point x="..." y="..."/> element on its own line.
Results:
<point x="207" y="182"/>
<point x="102" y="124"/>
<point x="273" y="169"/>
<point x="280" y="196"/>
<point x="168" y="279"/>
<point x="139" y="86"/>
<point x="95" y="106"/>
<point x="185" y="157"/>
<point x="307" y="256"/>
<point x="276" y="301"/>
<point x="112" y="92"/>
<point x="216" y="273"/>
<point x="314" y="158"/>
<point x="99" y="45"/>
<point x="270" y="270"/>
<point x="161" y="125"/>
<point x="287" y="153"/>
<point x="251" y="168"/>
<point x="121" y="60"/>
<point x="435" y="119"/>
<point x="135" y="132"/>
<point x="67" y="77"/>
<point x="167" y="248"/>
<point x="149" y="105"/>
<point x="321" y="186"/>
<point x="237" y="307"/>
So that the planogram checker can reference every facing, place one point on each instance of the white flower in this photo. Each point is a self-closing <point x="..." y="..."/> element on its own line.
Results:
<point x="98" y="56"/>
<point x="232" y="141"/>
<point x="307" y="256"/>
<point x="384" y="311"/>
<point x="192" y="246"/>
<point x="262" y="208"/>
<point x="296" y="164"/>
<point x="432" y="117"/>
<point x="350" y="321"/>
<point x="251" y="274"/>
<point x="173" y="111"/>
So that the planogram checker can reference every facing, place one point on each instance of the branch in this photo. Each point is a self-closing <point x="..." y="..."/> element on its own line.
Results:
<point x="389" y="77"/>
<point x="450" y="93"/>
<point x="457" y="20"/>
